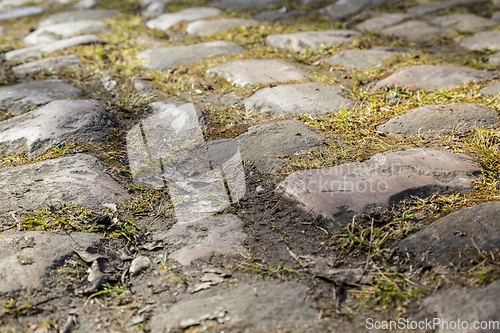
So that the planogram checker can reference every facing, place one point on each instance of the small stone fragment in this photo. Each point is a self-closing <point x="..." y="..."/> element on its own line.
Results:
<point x="108" y="82"/>
<point x="145" y="86"/>
<point x="167" y="21"/>
<point x="153" y="9"/>
<point x="311" y="39"/>
<point x="255" y="71"/>
<point x="49" y="64"/>
<point x="138" y="265"/>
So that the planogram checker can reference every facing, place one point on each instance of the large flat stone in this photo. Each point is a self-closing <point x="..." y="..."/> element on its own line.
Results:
<point x="168" y="57"/>
<point x="259" y="307"/>
<point x="434" y="7"/>
<point x="49" y="64"/>
<point x="494" y="89"/>
<point x="54" y="32"/>
<point x="264" y="144"/>
<point x="203" y="238"/>
<point x="255" y="71"/>
<point x="212" y="27"/>
<point x="20" y="97"/>
<point x="311" y="39"/>
<point x="37" y="50"/>
<point x="54" y="124"/>
<point x="167" y="21"/>
<point x="382" y="181"/>
<point x="415" y="30"/>
<point x="463" y="22"/>
<point x="345" y="8"/>
<point x="378" y="23"/>
<point x="440" y="118"/>
<point x="442" y="240"/>
<point x="27" y="257"/>
<point x="361" y="59"/>
<point x="15" y="13"/>
<point x="78" y="15"/>
<point x="240" y="4"/>
<point x="278" y="15"/>
<point x="316" y="99"/>
<point x="77" y="179"/>
<point x="432" y="77"/>
<point x="472" y="306"/>
<point x="487" y="40"/>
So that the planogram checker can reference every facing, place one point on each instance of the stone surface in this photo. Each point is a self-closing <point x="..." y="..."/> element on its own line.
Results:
<point x="434" y="7"/>
<point x="203" y="238"/>
<point x="22" y="96"/>
<point x="27" y="257"/>
<point x="212" y="27"/>
<point x="153" y="9"/>
<point x="432" y="77"/>
<point x="494" y="59"/>
<point x="37" y="50"/>
<point x="480" y="305"/>
<point x="54" y="124"/>
<point x="77" y="179"/>
<point x="415" y="30"/>
<point x="345" y="8"/>
<point x="278" y="15"/>
<point x="316" y="99"/>
<point x="255" y="71"/>
<point x="384" y="21"/>
<point x="139" y="265"/>
<point x="49" y="64"/>
<point x="145" y="86"/>
<point x="481" y="41"/>
<point x="78" y="15"/>
<point x="496" y="16"/>
<point x="54" y="32"/>
<point x="361" y="59"/>
<point x="440" y="118"/>
<point x="463" y="22"/>
<point x="168" y="57"/>
<point x="259" y="307"/>
<point x="494" y="89"/>
<point x="15" y="13"/>
<point x="382" y="181"/>
<point x="258" y="144"/>
<point x="441" y="241"/>
<point x="167" y="21"/>
<point x="311" y="39"/>
<point x="240" y="4"/>
<point x="86" y="4"/>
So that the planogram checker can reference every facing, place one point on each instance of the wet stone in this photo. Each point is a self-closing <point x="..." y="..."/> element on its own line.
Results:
<point x="440" y="118"/>
<point x="494" y="89"/>
<point x="57" y="123"/>
<point x="345" y="8"/>
<point x="463" y="22"/>
<point x="264" y="144"/>
<point x="278" y="15"/>
<point x="212" y="27"/>
<point x="167" y="21"/>
<point x="415" y="30"/>
<point x="488" y="40"/>
<point x="28" y="257"/>
<point x="432" y="8"/>
<point x="168" y="57"/>
<point x="77" y="179"/>
<point x="20" y="97"/>
<point x="260" y="307"/>
<point x="202" y="238"/>
<point x="384" y="21"/>
<point x="311" y="39"/>
<point x="37" y="50"/>
<point x="480" y="305"/>
<point x="241" y="4"/>
<point x="442" y="240"/>
<point x="78" y="15"/>
<point x="15" y="13"/>
<point x="255" y="71"/>
<point x="361" y="59"/>
<point x="54" y="32"/>
<point x="432" y="77"/>
<point x="316" y="99"/>
<point x="49" y="64"/>
<point x="340" y="192"/>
